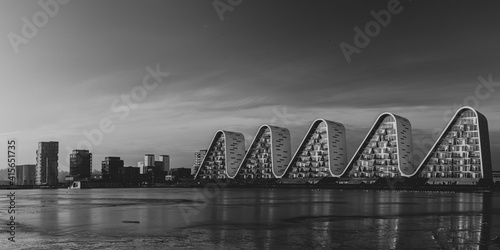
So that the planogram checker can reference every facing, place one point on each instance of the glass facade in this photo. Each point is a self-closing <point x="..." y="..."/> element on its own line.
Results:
<point x="214" y="165"/>
<point x="457" y="153"/>
<point x="378" y="156"/>
<point x="258" y="163"/>
<point x="312" y="159"/>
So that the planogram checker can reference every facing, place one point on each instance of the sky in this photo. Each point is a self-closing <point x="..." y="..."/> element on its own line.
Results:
<point x="69" y="69"/>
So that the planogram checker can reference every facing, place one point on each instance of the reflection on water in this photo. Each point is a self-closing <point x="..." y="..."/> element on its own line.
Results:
<point x="333" y="219"/>
<point x="258" y="219"/>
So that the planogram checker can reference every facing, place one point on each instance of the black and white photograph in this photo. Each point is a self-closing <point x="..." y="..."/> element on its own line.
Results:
<point x="249" y="124"/>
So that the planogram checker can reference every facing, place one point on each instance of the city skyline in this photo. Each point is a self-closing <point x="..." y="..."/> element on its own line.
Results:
<point x="415" y="164"/>
<point x="239" y="73"/>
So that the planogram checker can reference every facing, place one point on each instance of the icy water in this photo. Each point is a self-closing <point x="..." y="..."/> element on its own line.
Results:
<point x="250" y="219"/>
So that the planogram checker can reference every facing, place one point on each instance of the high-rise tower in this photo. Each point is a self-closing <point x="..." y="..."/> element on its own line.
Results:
<point x="46" y="163"/>
<point x="80" y="164"/>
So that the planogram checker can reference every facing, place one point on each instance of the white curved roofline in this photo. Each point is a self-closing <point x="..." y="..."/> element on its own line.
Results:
<point x="453" y="118"/>
<point x="248" y="151"/>
<point x="302" y="142"/>
<point x="368" y="134"/>
<point x="271" y="128"/>
<point x="208" y="151"/>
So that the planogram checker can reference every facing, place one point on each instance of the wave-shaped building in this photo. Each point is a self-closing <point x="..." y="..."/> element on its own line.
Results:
<point x="223" y="157"/>
<point x="462" y="151"/>
<point x="268" y="155"/>
<point x="461" y="155"/>
<point x="322" y="152"/>
<point x="386" y="150"/>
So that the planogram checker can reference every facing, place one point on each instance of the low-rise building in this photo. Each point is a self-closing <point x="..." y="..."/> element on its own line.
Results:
<point x="130" y="175"/>
<point x="111" y="168"/>
<point x="25" y="174"/>
<point x="496" y="175"/>
<point x="181" y="173"/>
<point x="80" y="165"/>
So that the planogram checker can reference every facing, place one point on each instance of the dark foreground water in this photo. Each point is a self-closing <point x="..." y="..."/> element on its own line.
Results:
<point x="250" y="219"/>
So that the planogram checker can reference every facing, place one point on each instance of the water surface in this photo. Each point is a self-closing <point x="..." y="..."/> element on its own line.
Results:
<point x="252" y="219"/>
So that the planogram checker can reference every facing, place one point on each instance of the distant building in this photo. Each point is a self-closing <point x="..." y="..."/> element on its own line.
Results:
<point x="130" y="175"/>
<point x="4" y="183"/>
<point x="162" y="165"/>
<point x="198" y="159"/>
<point x="158" y="165"/>
<point x="169" y="177"/>
<point x="47" y="163"/>
<point x="140" y="165"/>
<point x="80" y="165"/>
<point x="181" y="173"/>
<point x="149" y="160"/>
<point x="25" y="174"/>
<point x="96" y="175"/>
<point x="165" y="160"/>
<point x="154" y="175"/>
<point x="111" y="168"/>
<point x="154" y="171"/>
<point x="496" y="176"/>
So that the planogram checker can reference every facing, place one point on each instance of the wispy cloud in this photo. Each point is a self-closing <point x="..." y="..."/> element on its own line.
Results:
<point x="8" y="133"/>
<point x="232" y="75"/>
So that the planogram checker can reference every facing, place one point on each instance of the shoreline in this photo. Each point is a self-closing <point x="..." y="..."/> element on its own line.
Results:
<point x="366" y="187"/>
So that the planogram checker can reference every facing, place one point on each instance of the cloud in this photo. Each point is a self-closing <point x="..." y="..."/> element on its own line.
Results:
<point x="8" y="133"/>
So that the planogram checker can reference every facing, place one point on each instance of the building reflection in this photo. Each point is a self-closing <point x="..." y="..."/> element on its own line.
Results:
<point x="49" y="214"/>
<point x="459" y="221"/>
<point x="275" y="219"/>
